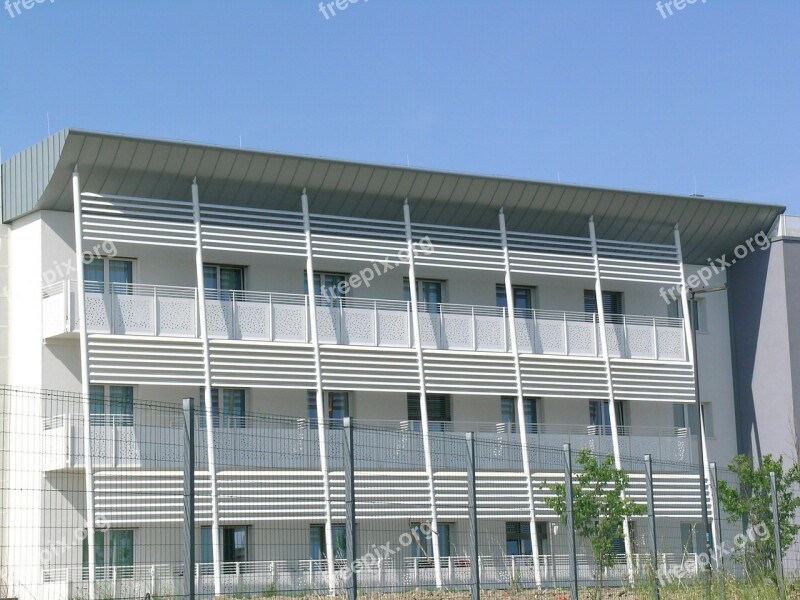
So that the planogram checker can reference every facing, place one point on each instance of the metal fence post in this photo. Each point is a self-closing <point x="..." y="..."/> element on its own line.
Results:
<point x="571" y="548"/>
<point x="350" y="509"/>
<point x="472" y="509"/>
<point x="776" y="534"/>
<point x="188" y="499"/>
<point x="719" y="557"/>
<point x="651" y="518"/>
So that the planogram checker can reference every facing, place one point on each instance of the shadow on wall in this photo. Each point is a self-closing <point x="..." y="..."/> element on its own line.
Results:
<point x="747" y="281"/>
<point x="67" y="362"/>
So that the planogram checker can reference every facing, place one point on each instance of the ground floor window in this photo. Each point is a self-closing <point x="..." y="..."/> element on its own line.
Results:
<point x="618" y="542"/>
<point x="234" y="544"/>
<point x="318" y="542"/>
<point x="692" y="539"/>
<point x="518" y="538"/>
<point x="422" y="545"/>
<point x="113" y="554"/>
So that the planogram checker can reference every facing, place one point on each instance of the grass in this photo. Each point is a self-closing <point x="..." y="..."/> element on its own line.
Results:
<point x="727" y="589"/>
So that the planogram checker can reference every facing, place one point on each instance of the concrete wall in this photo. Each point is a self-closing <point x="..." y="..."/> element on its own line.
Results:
<point x="764" y="292"/>
<point x="716" y="370"/>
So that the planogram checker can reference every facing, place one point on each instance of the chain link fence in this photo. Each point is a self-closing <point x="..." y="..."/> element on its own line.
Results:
<point x="99" y="501"/>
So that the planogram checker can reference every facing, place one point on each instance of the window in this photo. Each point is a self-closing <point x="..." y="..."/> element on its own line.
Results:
<point x="524" y="297"/>
<point x="612" y="302"/>
<point x="692" y="539"/>
<point x="234" y="544"/>
<point x="221" y="280"/>
<point x="112" y="404"/>
<point x="600" y="417"/>
<point x="518" y="538"/>
<point x="618" y="541"/>
<point x="698" y="312"/>
<point x="430" y="293"/>
<point x="698" y="309"/>
<point x="116" y="545"/>
<point x="230" y="412"/>
<point x="438" y="412"/>
<point x="685" y="416"/>
<point x="117" y="272"/>
<point x="99" y="553"/>
<point x="120" y="548"/>
<point x="508" y="413"/>
<point x="326" y="285"/>
<point x="318" y="546"/>
<point x="337" y="405"/>
<point x="422" y="545"/>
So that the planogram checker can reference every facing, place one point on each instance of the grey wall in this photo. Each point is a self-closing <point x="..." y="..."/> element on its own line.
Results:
<point x="764" y="304"/>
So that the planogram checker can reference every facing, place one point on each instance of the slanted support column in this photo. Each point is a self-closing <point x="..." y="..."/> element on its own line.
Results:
<point x="320" y="394"/>
<point x="84" y="344"/>
<point x="523" y="431"/>
<point x="612" y="409"/>
<point x="691" y="352"/>
<point x="208" y="405"/>
<point x="423" y="399"/>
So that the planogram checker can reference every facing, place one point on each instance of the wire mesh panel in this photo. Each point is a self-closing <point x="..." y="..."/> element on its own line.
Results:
<point x="91" y="495"/>
<point x="93" y="506"/>
<point x="396" y="518"/>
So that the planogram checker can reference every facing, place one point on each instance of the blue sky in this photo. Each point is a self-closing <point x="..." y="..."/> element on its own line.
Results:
<point x="605" y="93"/>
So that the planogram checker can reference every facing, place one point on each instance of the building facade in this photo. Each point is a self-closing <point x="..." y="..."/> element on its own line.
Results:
<point x="140" y="272"/>
<point x="765" y="292"/>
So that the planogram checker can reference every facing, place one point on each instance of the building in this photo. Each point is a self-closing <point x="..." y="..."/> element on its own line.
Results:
<point x="765" y="292"/>
<point x="108" y="243"/>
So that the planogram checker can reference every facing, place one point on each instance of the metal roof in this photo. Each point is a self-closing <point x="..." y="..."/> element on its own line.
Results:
<point x="38" y="178"/>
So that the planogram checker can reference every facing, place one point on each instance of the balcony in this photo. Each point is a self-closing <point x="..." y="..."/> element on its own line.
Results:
<point x="120" y="441"/>
<point x="169" y="311"/>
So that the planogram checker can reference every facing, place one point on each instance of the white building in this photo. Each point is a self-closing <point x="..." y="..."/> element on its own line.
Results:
<point x="595" y="356"/>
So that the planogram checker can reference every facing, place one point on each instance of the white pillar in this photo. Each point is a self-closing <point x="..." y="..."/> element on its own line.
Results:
<point x="84" y="344"/>
<point x="321" y="412"/>
<point x="212" y="463"/>
<point x="523" y="432"/>
<point x="423" y="399"/>
<point x="688" y="334"/>
<point x="612" y="409"/>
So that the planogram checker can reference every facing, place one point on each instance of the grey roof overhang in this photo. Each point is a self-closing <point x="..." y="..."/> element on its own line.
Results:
<point x="39" y="178"/>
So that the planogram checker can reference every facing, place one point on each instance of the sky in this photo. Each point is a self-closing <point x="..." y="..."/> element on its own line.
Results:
<point x="609" y="93"/>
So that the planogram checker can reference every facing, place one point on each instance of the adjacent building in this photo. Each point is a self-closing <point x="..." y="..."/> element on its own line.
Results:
<point x="764" y="301"/>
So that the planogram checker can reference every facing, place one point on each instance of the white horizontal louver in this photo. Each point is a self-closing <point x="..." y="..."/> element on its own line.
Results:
<point x="650" y="381"/>
<point x="468" y="373"/>
<point x="127" y="219"/>
<point x="369" y="369"/>
<point x="631" y="261"/>
<point x="135" y="360"/>
<point x="133" y="497"/>
<point x="261" y="365"/>
<point x="556" y="377"/>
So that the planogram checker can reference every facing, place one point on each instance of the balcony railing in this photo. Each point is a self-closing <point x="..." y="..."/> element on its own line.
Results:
<point x="169" y="311"/>
<point x="389" y="574"/>
<point x="121" y="441"/>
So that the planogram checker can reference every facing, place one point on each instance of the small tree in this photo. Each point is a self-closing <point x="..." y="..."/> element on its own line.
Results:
<point x="599" y="507"/>
<point x="752" y="501"/>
